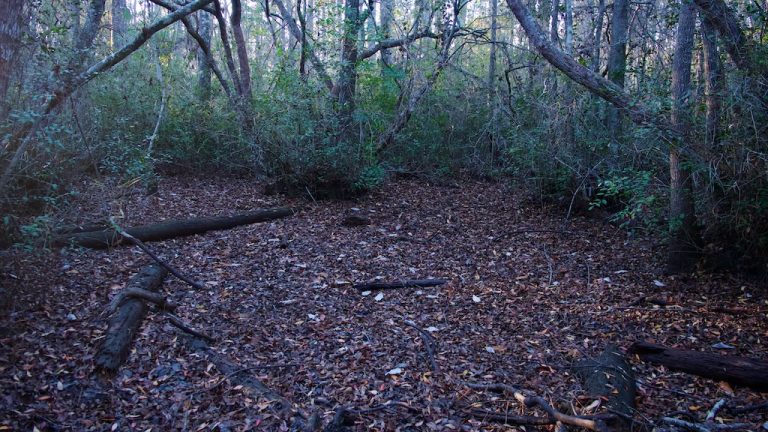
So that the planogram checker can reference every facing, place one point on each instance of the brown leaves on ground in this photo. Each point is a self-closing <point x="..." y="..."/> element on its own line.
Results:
<point x="527" y="297"/>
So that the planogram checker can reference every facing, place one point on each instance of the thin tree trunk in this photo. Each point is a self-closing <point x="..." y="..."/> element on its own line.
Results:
<point x="617" y="66"/>
<point x="683" y="234"/>
<point x="347" y="78"/>
<point x="119" y="24"/>
<point x="713" y="82"/>
<point x="11" y="31"/>
<point x="242" y="50"/>
<point x="205" y="28"/>
<point x="598" y="36"/>
<point x="387" y="10"/>
<point x="492" y="54"/>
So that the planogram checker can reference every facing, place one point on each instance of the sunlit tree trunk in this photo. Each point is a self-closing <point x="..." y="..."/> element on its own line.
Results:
<point x="683" y="233"/>
<point x="617" y="65"/>
<point x="11" y="31"/>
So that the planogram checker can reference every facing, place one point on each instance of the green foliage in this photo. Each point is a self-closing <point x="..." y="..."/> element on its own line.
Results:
<point x="632" y="197"/>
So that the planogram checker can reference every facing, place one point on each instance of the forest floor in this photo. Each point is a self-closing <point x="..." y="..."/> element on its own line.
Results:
<point x="527" y="297"/>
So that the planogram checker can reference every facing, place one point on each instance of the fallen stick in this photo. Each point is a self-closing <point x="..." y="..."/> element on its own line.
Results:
<point x="429" y="343"/>
<point x="179" y="324"/>
<point x="105" y="238"/>
<point x="239" y="376"/>
<point x="595" y="423"/>
<point x="705" y="427"/>
<point x="140" y="293"/>
<point x="736" y="370"/>
<point x="418" y="283"/>
<point x="125" y="323"/>
<point x="157" y="259"/>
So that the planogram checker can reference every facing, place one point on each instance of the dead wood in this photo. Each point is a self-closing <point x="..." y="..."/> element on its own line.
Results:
<point x="157" y="259"/>
<point x="429" y="344"/>
<point x="599" y="423"/>
<point x="125" y="323"/>
<point x="179" y="324"/>
<point x="418" y="283"/>
<point x="736" y="370"/>
<point x="167" y="230"/>
<point x="610" y="376"/>
<point x="239" y="376"/>
<point x="143" y="294"/>
<point x="705" y="427"/>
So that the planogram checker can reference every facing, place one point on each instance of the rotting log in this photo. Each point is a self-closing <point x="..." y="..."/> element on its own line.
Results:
<point x="167" y="230"/>
<point x="610" y="376"/>
<point x="418" y="283"/>
<point x="126" y="321"/>
<point x="740" y="371"/>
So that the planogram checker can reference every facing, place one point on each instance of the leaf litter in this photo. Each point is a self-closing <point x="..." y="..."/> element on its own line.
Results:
<point x="523" y="303"/>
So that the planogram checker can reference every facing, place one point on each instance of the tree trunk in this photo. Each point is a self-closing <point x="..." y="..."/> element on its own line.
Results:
<point x="713" y="82"/>
<point x="638" y="112"/>
<point x="347" y="78"/>
<point x="168" y="230"/>
<point x="727" y="25"/>
<point x="387" y="14"/>
<point x="242" y="51"/>
<point x="205" y="29"/>
<point x="492" y="54"/>
<point x="617" y="66"/>
<point x="125" y="323"/>
<point x="11" y="30"/>
<point x="598" y="36"/>
<point x="735" y="370"/>
<point x="119" y="25"/>
<point x="682" y="220"/>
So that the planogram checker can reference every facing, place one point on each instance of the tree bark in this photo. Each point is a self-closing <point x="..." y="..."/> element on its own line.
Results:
<point x="727" y="25"/>
<point x="682" y="218"/>
<point x="11" y="31"/>
<point x="125" y="323"/>
<point x="610" y="376"/>
<point x="617" y="66"/>
<point x="387" y="14"/>
<point x="119" y="24"/>
<point x="735" y="370"/>
<point x="205" y="29"/>
<point x="242" y="51"/>
<point x="347" y="77"/>
<point x="713" y="83"/>
<point x="168" y="230"/>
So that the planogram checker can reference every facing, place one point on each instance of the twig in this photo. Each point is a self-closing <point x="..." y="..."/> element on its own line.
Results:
<point x="428" y="344"/>
<point x="143" y="294"/>
<point x="713" y="412"/>
<point x="749" y="408"/>
<point x="152" y="255"/>
<point x="420" y="283"/>
<point x="594" y="423"/>
<point x="702" y="427"/>
<point x="178" y="323"/>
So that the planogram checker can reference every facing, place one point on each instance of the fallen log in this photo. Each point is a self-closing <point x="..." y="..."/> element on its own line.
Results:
<point x="167" y="230"/>
<point x="735" y="370"/>
<point x="126" y="321"/>
<point x="610" y="376"/>
<point x="419" y="283"/>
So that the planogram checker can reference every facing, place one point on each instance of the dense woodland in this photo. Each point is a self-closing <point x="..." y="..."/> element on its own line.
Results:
<point x="383" y="214"/>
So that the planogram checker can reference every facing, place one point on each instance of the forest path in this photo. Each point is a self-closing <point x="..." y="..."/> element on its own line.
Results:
<point x="526" y="297"/>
